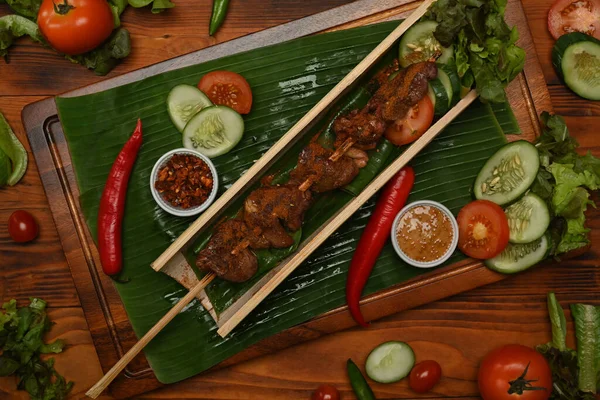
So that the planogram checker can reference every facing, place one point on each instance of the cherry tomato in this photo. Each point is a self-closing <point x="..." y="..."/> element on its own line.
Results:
<point x="514" y="372"/>
<point x="75" y="26"/>
<point x="227" y="89"/>
<point x="413" y="125"/>
<point x="325" y="392"/>
<point x="424" y="376"/>
<point x="482" y="229"/>
<point x="22" y="227"/>
<point x="566" y="16"/>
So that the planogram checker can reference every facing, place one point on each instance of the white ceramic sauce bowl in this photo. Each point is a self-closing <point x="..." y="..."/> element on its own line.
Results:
<point x="178" y="211"/>
<point x="447" y="254"/>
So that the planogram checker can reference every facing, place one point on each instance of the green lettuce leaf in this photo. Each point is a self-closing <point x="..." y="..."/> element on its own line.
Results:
<point x="117" y="7"/>
<point x="107" y="56"/>
<point x="12" y="147"/>
<point x="13" y="27"/>
<point x="485" y="46"/>
<point x="26" y="8"/>
<point x="157" y="5"/>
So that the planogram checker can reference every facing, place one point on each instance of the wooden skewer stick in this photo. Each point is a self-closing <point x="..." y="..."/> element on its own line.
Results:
<point x="344" y="147"/>
<point x="130" y="355"/>
<point x="320" y="235"/>
<point x="287" y="140"/>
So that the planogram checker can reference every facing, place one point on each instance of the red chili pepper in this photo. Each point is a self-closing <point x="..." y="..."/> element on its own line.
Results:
<point x="112" y="204"/>
<point x="376" y="233"/>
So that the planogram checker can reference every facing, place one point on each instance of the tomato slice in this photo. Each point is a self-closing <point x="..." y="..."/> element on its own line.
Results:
<point x="229" y="89"/>
<point x="413" y="125"/>
<point x="566" y="16"/>
<point x="483" y="229"/>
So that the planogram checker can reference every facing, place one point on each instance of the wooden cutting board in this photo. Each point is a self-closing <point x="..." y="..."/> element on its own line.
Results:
<point x="106" y="317"/>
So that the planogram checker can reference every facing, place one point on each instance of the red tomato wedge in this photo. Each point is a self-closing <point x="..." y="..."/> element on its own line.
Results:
<point x="229" y="89"/>
<point x="413" y="125"/>
<point x="483" y="229"/>
<point x="566" y="16"/>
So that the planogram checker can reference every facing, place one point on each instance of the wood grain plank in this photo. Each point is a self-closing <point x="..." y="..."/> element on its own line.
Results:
<point x="38" y="268"/>
<point x="154" y="38"/>
<point x="457" y="332"/>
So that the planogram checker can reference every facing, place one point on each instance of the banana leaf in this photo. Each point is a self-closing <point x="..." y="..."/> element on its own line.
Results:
<point x="287" y="80"/>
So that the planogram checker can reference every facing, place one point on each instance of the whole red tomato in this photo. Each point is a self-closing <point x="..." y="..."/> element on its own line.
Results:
<point x="514" y="372"/>
<point x="22" y="227"/>
<point x="424" y="376"/>
<point x="75" y="26"/>
<point x="325" y="392"/>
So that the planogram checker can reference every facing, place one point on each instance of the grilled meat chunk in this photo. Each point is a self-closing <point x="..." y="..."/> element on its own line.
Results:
<point x="314" y="164"/>
<point x="391" y="102"/>
<point x="266" y="208"/>
<point x="225" y="257"/>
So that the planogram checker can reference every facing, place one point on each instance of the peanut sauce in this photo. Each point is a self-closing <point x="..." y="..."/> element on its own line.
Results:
<point x="424" y="233"/>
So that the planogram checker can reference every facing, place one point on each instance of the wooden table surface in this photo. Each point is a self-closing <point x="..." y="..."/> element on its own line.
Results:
<point x="457" y="331"/>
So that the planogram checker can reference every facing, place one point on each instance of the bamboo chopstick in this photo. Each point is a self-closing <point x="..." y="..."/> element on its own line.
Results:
<point x="311" y="243"/>
<point x="130" y="355"/>
<point x="287" y="139"/>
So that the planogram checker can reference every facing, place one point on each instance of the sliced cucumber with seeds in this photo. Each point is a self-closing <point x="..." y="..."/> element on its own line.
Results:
<point x="519" y="257"/>
<point x="418" y="44"/>
<point x="183" y="102"/>
<point x="528" y="219"/>
<point x="439" y="97"/>
<point x="214" y="131"/>
<point x="389" y="362"/>
<point x="508" y="173"/>
<point x="576" y="58"/>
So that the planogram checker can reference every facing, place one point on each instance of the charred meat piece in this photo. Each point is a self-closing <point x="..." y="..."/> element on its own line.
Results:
<point x="325" y="175"/>
<point x="218" y="256"/>
<point x="266" y="208"/>
<point x="364" y="127"/>
<point x="391" y="102"/>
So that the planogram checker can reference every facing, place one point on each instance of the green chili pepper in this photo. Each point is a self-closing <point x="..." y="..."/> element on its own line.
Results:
<point x="361" y="388"/>
<point x="219" y="12"/>
<point x="10" y="145"/>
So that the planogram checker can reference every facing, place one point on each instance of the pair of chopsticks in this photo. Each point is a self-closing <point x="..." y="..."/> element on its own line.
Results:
<point x="316" y="240"/>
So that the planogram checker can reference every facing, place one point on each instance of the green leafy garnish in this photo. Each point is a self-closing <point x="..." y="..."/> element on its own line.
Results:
<point x="26" y="8"/>
<point x="21" y="337"/>
<point x="157" y="5"/>
<point x="13" y="27"/>
<point x="565" y="363"/>
<point x="485" y="49"/>
<point x="564" y="181"/>
<point x="11" y="148"/>
<point x="106" y="57"/>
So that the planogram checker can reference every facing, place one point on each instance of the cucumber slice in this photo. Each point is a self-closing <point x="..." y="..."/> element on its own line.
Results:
<point x="445" y="80"/>
<point x="508" y="173"/>
<point x="452" y="75"/>
<point x="183" y="102"/>
<point x="519" y="257"/>
<point x="214" y="131"/>
<point x="418" y="44"/>
<point x="528" y="219"/>
<point x="439" y="97"/>
<point x="576" y="58"/>
<point x="389" y="362"/>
